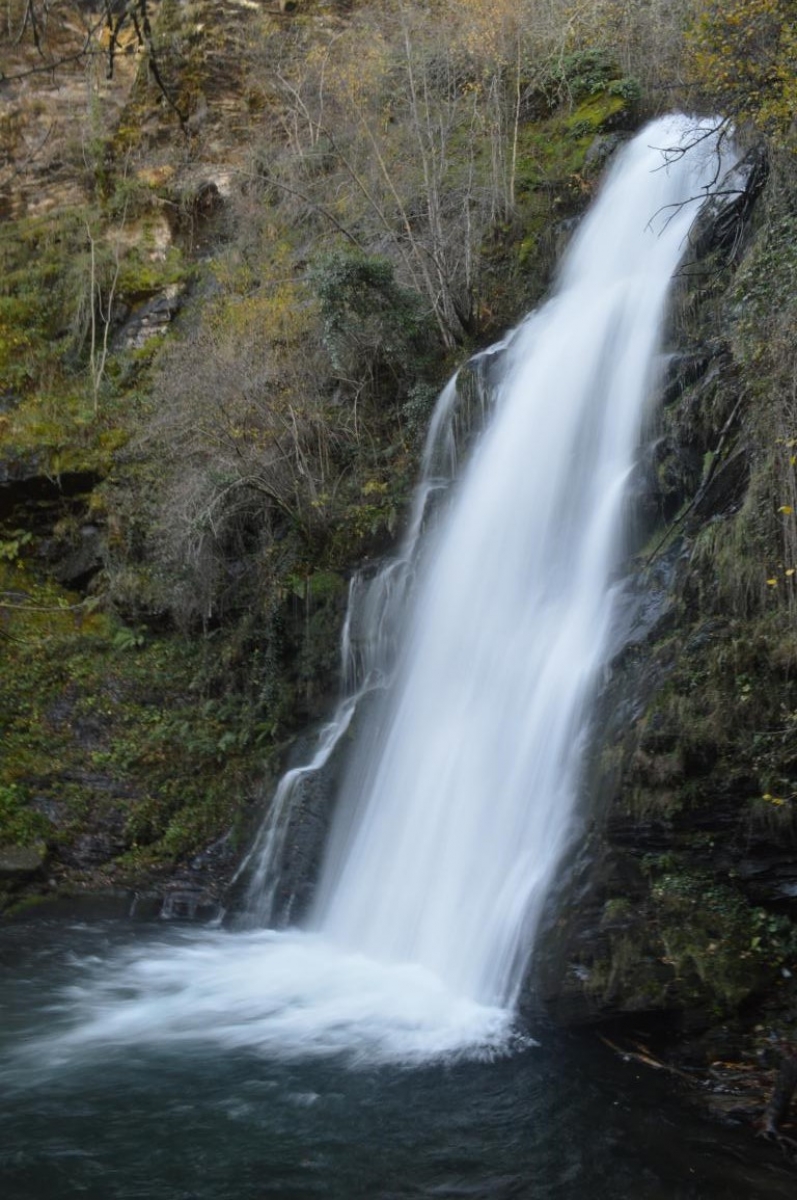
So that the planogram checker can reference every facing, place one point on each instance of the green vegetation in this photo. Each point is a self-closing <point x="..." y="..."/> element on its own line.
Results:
<point x="106" y="731"/>
<point x="19" y="824"/>
<point x="332" y="210"/>
<point x="694" y="944"/>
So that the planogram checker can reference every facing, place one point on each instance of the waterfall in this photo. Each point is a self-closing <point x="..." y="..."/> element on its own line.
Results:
<point x="459" y="801"/>
<point x="482" y="646"/>
<point x="371" y="633"/>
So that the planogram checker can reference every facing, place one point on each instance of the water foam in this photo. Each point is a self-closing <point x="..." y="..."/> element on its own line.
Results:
<point x="281" y="995"/>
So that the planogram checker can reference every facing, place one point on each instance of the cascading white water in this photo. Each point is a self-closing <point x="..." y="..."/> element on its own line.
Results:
<point x="460" y="798"/>
<point x="464" y="795"/>
<point x="374" y="620"/>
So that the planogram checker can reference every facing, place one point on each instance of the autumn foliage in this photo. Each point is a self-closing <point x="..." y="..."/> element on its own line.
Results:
<point x="744" y="53"/>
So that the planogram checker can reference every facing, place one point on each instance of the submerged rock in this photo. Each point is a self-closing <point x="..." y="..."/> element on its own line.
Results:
<point x="184" y="902"/>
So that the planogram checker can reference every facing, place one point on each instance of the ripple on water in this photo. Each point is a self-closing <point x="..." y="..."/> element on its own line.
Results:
<point x="139" y="1088"/>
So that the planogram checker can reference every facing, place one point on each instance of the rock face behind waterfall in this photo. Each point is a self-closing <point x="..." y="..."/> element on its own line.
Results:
<point x="679" y="905"/>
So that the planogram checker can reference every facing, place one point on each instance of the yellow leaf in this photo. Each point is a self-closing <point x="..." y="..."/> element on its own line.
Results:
<point x="772" y="583"/>
<point x="790" y="572"/>
<point x="786" y="508"/>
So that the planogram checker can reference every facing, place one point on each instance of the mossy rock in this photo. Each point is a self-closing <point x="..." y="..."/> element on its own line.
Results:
<point x="18" y="864"/>
<point x="595" y="115"/>
<point x="693" y="945"/>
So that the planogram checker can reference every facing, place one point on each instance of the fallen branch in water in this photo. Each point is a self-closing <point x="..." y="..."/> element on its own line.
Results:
<point x="644" y="1056"/>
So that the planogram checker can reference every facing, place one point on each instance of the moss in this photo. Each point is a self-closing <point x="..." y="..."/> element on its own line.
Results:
<point x="723" y="949"/>
<point x="20" y="824"/>
<point x="15" y="906"/>
<point x="616" y="909"/>
<point x="325" y="585"/>
<point x="109" y="730"/>
<point x="720" y="731"/>
<point x="551" y="185"/>
<point x="594" y="114"/>
<point x="142" y="274"/>
<point x="692" y="943"/>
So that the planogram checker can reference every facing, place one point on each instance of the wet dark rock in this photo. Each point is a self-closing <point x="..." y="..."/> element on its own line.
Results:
<point x="216" y="857"/>
<point x="27" y="485"/>
<point x="310" y="813"/>
<point x="647" y="600"/>
<point x="682" y="371"/>
<point x="187" y="902"/>
<point x="723" y="222"/>
<point x="310" y="820"/>
<point x="53" y="810"/>
<point x="89" y="850"/>
<point x="769" y="874"/>
<point x="195" y="892"/>
<point x="601" y="150"/>
<point x="629" y="933"/>
<point x="18" y="864"/>
<point x="688" y="470"/>
<point x="785" y="1087"/>
<point x="82" y="560"/>
<point x="725" y="488"/>
<point x="304" y="848"/>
